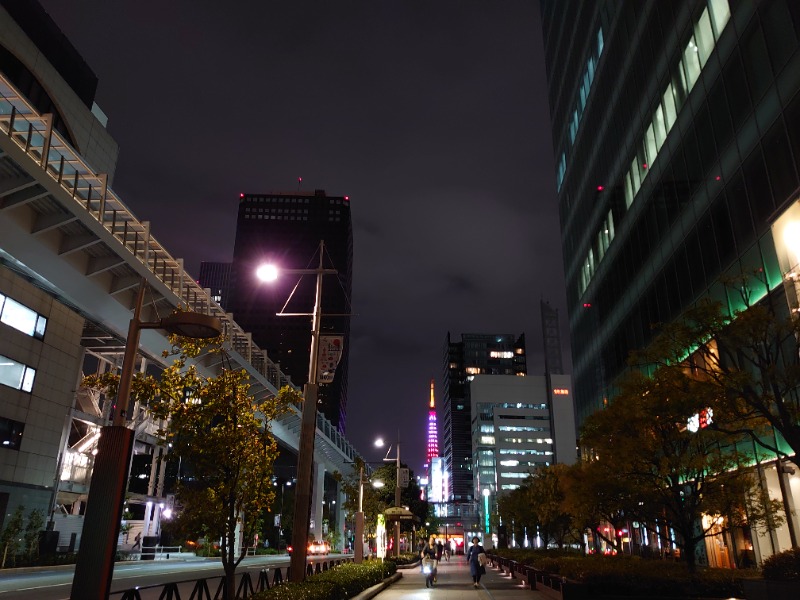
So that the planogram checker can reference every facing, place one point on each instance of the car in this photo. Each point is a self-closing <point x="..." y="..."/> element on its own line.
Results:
<point x="319" y="547"/>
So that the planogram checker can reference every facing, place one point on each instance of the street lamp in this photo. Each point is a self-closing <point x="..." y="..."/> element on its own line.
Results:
<point x="396" y="460"/>
<point x="358" y="551"/>
<point x="94" y="568"/>
<point x="308" y="425"/>
<point x="284" y="485"/>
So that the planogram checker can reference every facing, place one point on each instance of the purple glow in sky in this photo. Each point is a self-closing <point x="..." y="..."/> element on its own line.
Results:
<point x="431" y="116"/>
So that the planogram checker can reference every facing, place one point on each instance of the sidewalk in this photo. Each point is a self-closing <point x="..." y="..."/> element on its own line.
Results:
<point x="455" y="583"/>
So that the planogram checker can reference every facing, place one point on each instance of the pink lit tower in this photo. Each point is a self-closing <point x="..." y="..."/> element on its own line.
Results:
<point x="433" y="433"/>
<point x="434" y="464"/>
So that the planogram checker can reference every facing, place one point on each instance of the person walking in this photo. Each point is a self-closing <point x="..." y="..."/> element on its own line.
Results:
<point x="476" y="557"/>
<point x="439" y="550"/>
<point x="137" y="541"/>
<point x="429" y="562"/>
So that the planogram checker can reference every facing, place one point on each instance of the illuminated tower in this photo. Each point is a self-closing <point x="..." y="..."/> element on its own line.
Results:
<point x="437" y="479"/>
<point x="433" y="433"/>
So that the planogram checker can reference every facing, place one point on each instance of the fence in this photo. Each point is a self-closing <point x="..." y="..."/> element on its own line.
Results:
<point x="201" y="589"/>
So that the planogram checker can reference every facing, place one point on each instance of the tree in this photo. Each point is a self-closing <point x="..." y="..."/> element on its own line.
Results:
<point x="515" y="510"/>
<point x="10" y="537"/>
<point x="594" y="494"/>
<point x="539" y="504"/>
<point x="377" y="500"/>
<point x="748" y="357"/>
<point x="676" y="474"/>
<point x="31" y="534"/>
<point x="214" y="425"/>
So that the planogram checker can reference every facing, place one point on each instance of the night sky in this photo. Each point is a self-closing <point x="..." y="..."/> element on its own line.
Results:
<point x="430" y="114"/>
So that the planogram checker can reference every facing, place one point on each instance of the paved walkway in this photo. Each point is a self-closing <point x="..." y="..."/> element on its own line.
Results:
<point x="455" y="583"/>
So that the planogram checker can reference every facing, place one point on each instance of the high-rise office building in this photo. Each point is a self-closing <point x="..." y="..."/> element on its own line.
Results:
<point x="474" y="354"/>
<point x="286" y="229"/>
<point x="216" y="276"/>
<point x="676" y="130"/>
<point x="517" y="427"/>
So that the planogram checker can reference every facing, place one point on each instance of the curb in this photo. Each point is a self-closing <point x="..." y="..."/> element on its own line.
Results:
<point x="376" y="589"/>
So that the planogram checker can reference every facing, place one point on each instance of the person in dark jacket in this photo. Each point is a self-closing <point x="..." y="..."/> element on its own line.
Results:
<point x="429" y="553"/>
<point x="476" y="569"/>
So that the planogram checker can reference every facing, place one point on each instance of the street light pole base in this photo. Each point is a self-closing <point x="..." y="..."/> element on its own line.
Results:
<point x="102" y="519"/>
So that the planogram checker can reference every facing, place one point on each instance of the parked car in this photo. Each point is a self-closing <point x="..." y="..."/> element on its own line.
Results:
<point x="319" y="547"/>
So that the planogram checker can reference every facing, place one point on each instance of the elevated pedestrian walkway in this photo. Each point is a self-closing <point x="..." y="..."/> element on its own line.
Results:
<point x="455" y="583"/>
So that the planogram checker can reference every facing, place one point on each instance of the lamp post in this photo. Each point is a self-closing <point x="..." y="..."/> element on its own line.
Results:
<point x="358" y="550"/>
<point x="284" y="485"/>
<point x="308" y="424"/>
<point x="395" y="460"/>
<point x="101" y="523"/>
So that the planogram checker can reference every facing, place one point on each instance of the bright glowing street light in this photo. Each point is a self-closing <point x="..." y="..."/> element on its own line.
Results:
<point x="308" y="423"/>
<point x="267" y="273"/>
<point x="379" y="443"/>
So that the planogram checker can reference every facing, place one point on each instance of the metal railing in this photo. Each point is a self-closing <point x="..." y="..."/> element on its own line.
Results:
<point x="34" y="134"/>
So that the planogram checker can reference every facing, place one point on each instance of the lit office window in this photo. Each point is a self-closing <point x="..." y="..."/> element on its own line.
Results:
<point x="21" y="318"/>
<point x="16" y="375"/>
<point x="11" y="433"/>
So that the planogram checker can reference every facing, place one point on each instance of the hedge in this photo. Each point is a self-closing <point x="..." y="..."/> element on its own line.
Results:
<point x="339" y="583"/>
<point x="635" y="576"/>
<point x="784" y="566"/>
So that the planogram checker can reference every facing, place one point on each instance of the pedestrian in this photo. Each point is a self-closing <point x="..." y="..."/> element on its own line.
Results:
<point x="476" y="557"/>
<point x="439" y="550"/>
<point x="429" y="564"/>
<point x="137" y="541"/>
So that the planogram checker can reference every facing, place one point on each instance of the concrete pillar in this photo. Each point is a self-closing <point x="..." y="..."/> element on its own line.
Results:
<point x="340" y="528"/>
<point x="316" y="501"/>
<point x="148" y="513"/>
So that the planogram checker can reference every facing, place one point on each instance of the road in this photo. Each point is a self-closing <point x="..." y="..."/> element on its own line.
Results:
<point x="55" y="583"/>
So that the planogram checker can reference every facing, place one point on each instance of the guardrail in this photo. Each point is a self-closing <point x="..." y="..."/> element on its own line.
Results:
<point x="88" y="193"/>
<point x="246" y="584"/>
<point x="536" y="579"/>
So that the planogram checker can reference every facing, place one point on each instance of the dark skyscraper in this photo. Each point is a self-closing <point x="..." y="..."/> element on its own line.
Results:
<point x="475" y="354"/>
<point x="216" y="276"/>
<point x="676" y="130"/>
<point x="285" y="229"/>
<point x="551" y="336"/>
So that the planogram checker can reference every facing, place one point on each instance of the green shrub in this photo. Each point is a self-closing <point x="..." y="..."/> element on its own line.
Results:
<point x="635" y="576"/>
<point x="784" y="566"/>
<point x="404" y="559"/>
<point x="338" y="583"/>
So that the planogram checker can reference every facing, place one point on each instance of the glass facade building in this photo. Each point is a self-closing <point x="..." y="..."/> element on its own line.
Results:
<point x="676" y="133"/>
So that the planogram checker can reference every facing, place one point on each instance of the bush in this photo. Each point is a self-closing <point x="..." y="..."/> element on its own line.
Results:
<point x="784" y="566"/>
<point x="403" y="559"/>
<point x="339" y="583"/>
<point x="634" y="576"/>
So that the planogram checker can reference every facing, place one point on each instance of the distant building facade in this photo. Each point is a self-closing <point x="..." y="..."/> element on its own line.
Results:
<point x="471" y="355"/>
<point x="216" y="276"/>
<point x="286" y="229"/>
<point x="516" y="427"/>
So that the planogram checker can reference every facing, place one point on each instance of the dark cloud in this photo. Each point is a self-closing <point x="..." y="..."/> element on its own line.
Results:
<point x="432" y="116"/>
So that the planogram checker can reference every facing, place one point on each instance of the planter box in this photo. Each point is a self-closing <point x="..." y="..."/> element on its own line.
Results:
<point x="764" y="589"/>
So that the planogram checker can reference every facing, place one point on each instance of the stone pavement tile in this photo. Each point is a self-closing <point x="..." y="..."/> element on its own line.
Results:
<point x="455" y="583"/>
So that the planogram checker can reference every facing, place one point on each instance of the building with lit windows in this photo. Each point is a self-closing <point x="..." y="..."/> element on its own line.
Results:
<point x="216" y="277"/>
<point x="474" y="354"/>
<point x="286" y="229"/>
<point x="676" y="132"/>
